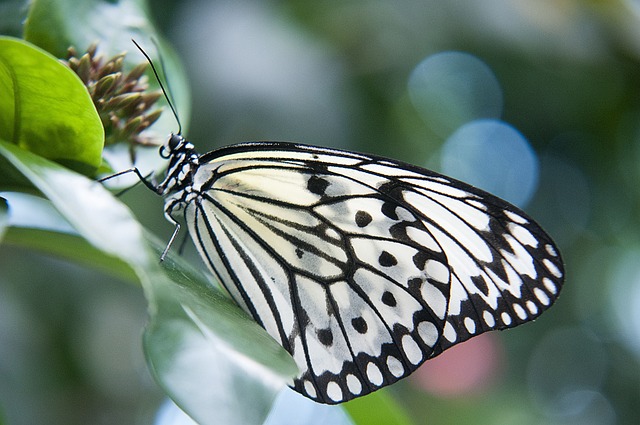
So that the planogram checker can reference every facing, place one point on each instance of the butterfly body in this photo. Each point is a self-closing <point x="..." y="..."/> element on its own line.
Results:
<point x="360" y="266"/>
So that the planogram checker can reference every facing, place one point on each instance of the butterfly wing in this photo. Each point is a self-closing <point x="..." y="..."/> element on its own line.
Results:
<point x="363" y="267"/>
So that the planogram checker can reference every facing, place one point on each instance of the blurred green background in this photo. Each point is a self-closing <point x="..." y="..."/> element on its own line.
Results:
<point x="536" y="101"/>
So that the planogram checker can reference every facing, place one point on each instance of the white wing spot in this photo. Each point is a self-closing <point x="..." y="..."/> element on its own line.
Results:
<point x="373" y="374"/>
<point x="450" y="332"/>
<point x="354" y="384"/>
<point x="520" y="312"/>
<point x="310" y="389"/>
<point x="435" y="188"/>
<point x="428" y="332"/>
<point x="404" y="214"/>
<point x="506" y="318"/>
<point x="470" y="324"/>
<point x="551" y="250"/>
<point x="523" y="235"/>
<point x="515" y="217"/>
<point x="333" y="234"/>
<point x="440" y="179"/>
<point x="544" y="298"/>
<point x="423" y="238"/>
<point x="476" y="204"/>
<point x="435" y="299"/>
<point x="437" y="271"/>
<point x="548" y="283"/>
<point x="395" y="366"/>
<point x="471" y="216"/>
<point x="334" y="391"/>
<point x="533" y="308"/>
<point x="489" y="319"/>
<point x="520" y="260"/>
<point x="411" y="349"/>
<point x="551" y="267"/>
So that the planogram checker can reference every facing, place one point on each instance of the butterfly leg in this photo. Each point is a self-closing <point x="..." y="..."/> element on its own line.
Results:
<point x="143" y="179"/>
<point x="176" y="230"/>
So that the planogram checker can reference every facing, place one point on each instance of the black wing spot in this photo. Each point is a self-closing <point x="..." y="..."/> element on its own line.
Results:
<point x="389" y="299"/>
<point x="480" y="284"/>
<point x="389" y="210"/>
<point x="359" y="324"/>
<point x="363" y="218"/>
<point x="317" y="185"/>
<point x="387" y="260"/>
<point x="325" y="336"/>
<point x="415" y="284"/>
<point x="420" y="259"/>
<point x="299" y="252"/>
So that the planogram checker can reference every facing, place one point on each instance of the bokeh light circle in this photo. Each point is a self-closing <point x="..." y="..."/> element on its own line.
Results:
<point x="451" y="88"/>
<point x="463" y="370"/>
<point x="493" y="156"/>
<point x="625" y="299"/>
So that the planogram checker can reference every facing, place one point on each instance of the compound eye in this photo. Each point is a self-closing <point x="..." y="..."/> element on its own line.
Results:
<point x="174" y="141"/>
<point x="172" y="144"/>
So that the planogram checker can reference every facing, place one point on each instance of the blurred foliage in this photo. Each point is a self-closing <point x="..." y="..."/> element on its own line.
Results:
<point x="335" y="73"/>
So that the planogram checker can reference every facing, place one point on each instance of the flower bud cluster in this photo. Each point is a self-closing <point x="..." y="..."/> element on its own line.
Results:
<point x="121" y="99"/>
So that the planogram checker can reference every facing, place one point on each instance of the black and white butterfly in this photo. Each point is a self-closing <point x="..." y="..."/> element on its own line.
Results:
<point x="361" y="267"/>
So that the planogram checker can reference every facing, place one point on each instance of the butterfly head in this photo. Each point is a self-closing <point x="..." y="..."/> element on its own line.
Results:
<point x="173" y="145"/>
<point x="183" y="160"/>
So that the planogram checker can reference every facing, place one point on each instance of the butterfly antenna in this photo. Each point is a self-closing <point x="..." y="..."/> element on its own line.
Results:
<point x="166" y="95"/>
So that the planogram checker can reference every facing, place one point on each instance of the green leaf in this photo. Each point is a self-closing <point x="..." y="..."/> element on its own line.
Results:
<point x="4" y="217"/>
<point x="35" y="224"/>
<point x="88" y="207"/>
<point x="46" y="109"/>
<point x="210" y="357"/>
<point x="377" y="409"/>
<point x="216" y="363"/>
<point x="12" y="180"/>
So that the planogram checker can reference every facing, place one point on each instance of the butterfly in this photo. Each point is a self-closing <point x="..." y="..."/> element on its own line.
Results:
<point x="361" y="267"/>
